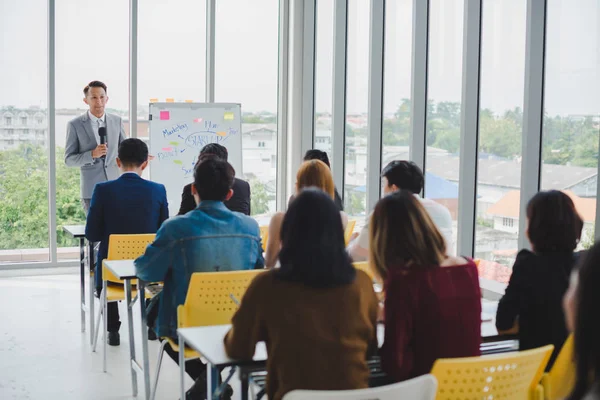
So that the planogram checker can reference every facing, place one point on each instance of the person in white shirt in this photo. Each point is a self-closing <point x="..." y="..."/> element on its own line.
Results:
<point x="408" y="176"/>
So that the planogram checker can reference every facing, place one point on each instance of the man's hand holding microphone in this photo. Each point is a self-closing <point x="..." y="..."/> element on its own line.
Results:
<point x="101" y="149"/>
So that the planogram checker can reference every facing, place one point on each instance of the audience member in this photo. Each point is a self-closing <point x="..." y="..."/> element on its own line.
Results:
<point x="316" y="313"/>
<point x="127" y="205"/>
<point x="239" y="201"/>
<point x="432" y="306"/>
<point x="313" y="173"/>
<point x="532" y="303"/>
<point x="209" y="238"/>
<point x="581" y="308"/>
<point x="320" y="155"/>
<point x="408" y="176"/>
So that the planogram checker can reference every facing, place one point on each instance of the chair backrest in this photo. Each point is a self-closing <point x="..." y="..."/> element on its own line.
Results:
<point x="208" y="300"/>
<point x="559" y="382"/>
<point x="421" y="388"/>
<point x="364" y="266"/>
<point x="349" y="231"/>
<point x="126" y="247"/>
<point x="504" y="376"/>
<point x="264" y="236"/>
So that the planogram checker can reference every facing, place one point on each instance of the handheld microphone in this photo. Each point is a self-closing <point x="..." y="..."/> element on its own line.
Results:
<point x="102" y="134"/>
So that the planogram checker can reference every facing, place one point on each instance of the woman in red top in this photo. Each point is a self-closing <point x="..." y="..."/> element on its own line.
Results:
<point x="433" y="302"/>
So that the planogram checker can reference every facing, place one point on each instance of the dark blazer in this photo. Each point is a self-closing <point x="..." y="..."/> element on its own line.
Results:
<point x="240" y="201"/>
<point x="127" y="205"/>
<point x="534" y="296"/>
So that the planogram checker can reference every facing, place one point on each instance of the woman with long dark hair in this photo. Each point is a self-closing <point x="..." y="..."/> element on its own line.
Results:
<point x="317" y="313"/>
<point x="581" y="310"/>
<point x="532" y="302"/>
<point x="432" y="301"/>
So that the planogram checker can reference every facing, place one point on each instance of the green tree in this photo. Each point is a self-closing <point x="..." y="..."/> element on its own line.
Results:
<point x="259" y="199"/>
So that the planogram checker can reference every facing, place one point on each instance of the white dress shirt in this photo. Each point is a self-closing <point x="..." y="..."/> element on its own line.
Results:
<point x="97" y="123"/>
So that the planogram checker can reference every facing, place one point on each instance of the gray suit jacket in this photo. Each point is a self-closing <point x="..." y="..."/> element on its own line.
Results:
<point x="79" y="146"/>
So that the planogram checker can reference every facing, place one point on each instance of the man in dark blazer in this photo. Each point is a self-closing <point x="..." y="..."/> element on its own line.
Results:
<point x="127" y="205"/>
<point x="240" y="201"/>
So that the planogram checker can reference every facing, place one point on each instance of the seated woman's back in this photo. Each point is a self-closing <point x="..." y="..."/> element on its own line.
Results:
<point x="316" y="313"/>
<point x="533" y="298"/>
<point x="433" y="302"/>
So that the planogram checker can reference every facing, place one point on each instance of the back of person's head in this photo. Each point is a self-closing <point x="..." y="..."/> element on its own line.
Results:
<point x="133" y="153"/>
<point x="587" y="324"/>
<point x="312" y="242"/>
<point x="214" y="149"/>
<point x="405" y="175"/>
<point x="553" y="222"/>
<point x="213" y="178"/>
<point x="315" y="173"/>
<point x="315" y="154"/>
<point x="403" y="235"/>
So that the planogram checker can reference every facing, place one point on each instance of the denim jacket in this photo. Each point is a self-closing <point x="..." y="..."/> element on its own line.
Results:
<point x="207" y="239"/>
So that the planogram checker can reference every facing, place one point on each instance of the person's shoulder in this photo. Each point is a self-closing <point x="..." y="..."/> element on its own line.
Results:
<point x="78" y="119"/>
<point x="114" y="117"/>
<point x="363" y="280"/>
<point x="433" y="207"/>
<point x="241" y="182"/>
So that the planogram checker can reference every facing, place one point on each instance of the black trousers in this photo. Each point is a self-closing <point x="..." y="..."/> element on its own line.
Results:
<point x="194" y="368"/>
<point x="113" y="320"/>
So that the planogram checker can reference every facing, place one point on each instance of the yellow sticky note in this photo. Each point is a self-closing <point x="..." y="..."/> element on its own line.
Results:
<point x="153" y="100"/>
<point x="221" y="133"/>
<point x="228" y="116"/>
<point x="189" y="101"/>
<point x="170" y="100"/>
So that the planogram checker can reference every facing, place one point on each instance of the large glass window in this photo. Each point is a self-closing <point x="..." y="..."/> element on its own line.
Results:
<point x="443" y="105"/>
<point x="357" y="83"/>
<point x="324" y="76"/>
<point x="89" y="46"/>
<point x="500" y="130"/>
<point x="397" y="75"/>
<point x="23" y="157"/>
<point x="572" y="106"/>
<point x="246" y="62"/>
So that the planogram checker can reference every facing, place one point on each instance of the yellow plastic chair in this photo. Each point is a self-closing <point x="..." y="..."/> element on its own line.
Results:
<point x="364" y="266"/>
<point x="559" y="382"/>
<point x="264" y="236"/>
<point x="504" y="376"/>
<point x="208" y="302"/>
<point x="349" y="231"/>
<point x="120" y="247"/>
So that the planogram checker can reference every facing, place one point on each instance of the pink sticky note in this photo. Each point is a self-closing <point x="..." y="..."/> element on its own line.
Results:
<point x="167" y="149"/>
<point x="165" y="115"/>
<point x="198" y="120"/>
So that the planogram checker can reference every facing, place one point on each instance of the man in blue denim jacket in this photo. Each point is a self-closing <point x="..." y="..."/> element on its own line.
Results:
<point x="208" y="239"/>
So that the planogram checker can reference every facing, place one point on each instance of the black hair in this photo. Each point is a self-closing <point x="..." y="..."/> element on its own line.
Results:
<point x="587" y="325"/>
<point x="92" y="84"/>
<point x="133" y="152"/>
<point x="313" y="250"/>
<point x="554" y="224"/>
<point x="405" y="175"/>
<point x="214" y="149"/>
<point x="315" y="154"/>
<point x="213" y="178"/>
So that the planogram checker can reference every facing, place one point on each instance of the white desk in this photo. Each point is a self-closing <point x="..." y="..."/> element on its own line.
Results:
<point x="78" y="232"/>
<point x="125" y="270"/>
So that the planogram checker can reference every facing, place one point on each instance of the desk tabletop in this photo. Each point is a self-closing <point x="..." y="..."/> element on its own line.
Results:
<point x="122" y="269"/>
<point x="76" y="231"/>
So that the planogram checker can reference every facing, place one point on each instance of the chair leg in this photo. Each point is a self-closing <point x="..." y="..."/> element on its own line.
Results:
<point x="158" y="365"/>
<point x="97" y="326"/>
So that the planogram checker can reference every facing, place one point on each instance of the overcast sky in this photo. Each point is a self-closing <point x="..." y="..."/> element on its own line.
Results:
<point x="92" y="43"/>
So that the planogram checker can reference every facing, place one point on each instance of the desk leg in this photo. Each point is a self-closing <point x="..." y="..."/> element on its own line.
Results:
<point x="141" y="300"/>
<point x="82" y="279"/>
<point x="131" y="336"/>
<point x="212" y="374"/>
<point x="92" y="288"/>
<point x="181" y="367"/>
<point x="104" y="300"/>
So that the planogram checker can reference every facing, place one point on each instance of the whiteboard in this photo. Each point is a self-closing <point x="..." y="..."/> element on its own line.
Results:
<point x="178" y="131"/>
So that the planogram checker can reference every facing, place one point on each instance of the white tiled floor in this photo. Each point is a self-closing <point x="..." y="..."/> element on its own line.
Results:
<point x="44" y="355"/>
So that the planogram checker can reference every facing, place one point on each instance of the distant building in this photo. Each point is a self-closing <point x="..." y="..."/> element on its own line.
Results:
<point x="22" y="125"/>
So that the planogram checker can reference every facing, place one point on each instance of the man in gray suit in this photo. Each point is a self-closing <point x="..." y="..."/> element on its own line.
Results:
<point x="96" y="161"/>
